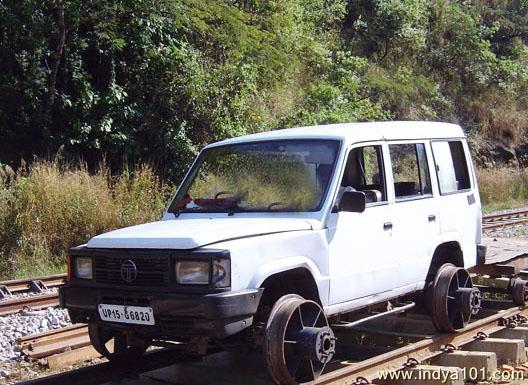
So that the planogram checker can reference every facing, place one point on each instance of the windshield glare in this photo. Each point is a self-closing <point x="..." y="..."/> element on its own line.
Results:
<point x="285" y="175"/>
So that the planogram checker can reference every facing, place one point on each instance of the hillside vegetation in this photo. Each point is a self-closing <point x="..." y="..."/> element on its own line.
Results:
<point x="118" y="83"/>
<point x="152" y="81"/>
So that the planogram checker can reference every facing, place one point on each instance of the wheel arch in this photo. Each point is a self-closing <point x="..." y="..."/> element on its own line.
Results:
<point x="290" y="278"/>
<point x="445" y="252"/>
<point x="289" y="264"/>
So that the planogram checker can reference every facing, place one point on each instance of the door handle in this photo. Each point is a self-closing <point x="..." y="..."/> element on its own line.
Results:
<point x="387" y="226"/>
<point x="431" y="218"/>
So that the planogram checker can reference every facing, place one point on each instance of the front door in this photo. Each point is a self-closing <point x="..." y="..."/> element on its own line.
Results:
<point x="360" y="257"/>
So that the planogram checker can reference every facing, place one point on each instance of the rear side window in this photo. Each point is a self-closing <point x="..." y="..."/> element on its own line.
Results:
<point x="451" y="166"/>
<point x="410" y="170"/>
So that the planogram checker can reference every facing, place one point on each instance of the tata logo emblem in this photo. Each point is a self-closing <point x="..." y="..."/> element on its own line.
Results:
<point x="128" y="271"/>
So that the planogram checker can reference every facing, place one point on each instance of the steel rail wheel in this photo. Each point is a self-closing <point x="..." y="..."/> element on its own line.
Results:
<point x="519" y="292"/>
<point x="125" y="348"/>
<point x="298" y="341"/>
<point x="454" y="299"/>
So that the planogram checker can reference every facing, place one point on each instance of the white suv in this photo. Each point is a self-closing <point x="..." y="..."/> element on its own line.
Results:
<point x="273" y="238"/>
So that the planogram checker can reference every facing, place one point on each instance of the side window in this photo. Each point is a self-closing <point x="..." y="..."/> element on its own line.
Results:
<point x="364" y="172"/>
<point x="451" y="166"/>
<point x="410" y="170"/>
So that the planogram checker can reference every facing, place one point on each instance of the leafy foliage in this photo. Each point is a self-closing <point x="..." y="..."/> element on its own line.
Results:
<point x="142" y="81"/>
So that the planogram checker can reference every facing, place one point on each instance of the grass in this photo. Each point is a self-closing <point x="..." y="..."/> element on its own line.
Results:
<point x="48" y="207"/>
<point x="507" y="205"/>
<point x="503" y="188"/>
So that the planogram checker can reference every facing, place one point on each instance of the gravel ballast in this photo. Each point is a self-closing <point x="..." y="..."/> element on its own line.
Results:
<point x="26" y="322"/>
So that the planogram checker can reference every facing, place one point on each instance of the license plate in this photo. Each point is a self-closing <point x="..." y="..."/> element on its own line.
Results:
<point x="126" y="314"/>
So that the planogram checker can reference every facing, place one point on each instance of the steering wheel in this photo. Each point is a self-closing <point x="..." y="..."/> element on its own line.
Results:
<point x="274" y="204"/>
<point x="222" y="193"/>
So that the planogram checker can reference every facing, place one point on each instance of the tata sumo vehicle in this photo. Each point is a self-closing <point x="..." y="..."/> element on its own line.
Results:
<point x="274" y="240"/>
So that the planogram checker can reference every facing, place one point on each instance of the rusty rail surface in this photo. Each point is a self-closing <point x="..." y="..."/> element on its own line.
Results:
<point x="54" y="341"/>
<point x="9" y="306"/>
<point x="497" y="221"/>
<point x="26" y="284"/>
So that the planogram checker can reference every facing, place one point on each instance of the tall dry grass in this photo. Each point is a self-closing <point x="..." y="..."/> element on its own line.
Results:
<point x="48" y="207"/>
<point x="503" y="187"/>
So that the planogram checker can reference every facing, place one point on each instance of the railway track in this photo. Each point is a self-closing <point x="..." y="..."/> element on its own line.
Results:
<point x="42" y="301"/>
<point x="10" y="303"/>
<point x="34" y="284"/>
<point x="498" y="221"/>
<point x="408" y="357"/>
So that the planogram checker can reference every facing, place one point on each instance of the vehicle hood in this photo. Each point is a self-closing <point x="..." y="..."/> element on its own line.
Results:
<point x="193" y="233"/>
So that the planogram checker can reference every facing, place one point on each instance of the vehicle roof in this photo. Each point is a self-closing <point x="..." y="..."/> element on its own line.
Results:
<point x="358" y="132"/>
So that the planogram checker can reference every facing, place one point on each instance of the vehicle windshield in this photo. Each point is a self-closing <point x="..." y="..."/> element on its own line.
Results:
<point x="278" y="175"/>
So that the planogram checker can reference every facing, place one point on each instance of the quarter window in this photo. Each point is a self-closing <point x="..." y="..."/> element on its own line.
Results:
<point x="410" y="170"/>
<point x="451" y="166"/>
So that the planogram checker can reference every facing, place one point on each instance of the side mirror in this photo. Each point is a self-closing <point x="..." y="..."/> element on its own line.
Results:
<point x="352" y="201"/>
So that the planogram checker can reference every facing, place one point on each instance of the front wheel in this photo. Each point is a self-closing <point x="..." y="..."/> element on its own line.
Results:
<point x="116" y="345"/>
<point x="454" y="300"/>
<point x="298" y="342"/>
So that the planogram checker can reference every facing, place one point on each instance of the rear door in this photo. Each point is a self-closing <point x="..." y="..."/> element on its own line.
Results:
<point x="460" y="206"/>
<point x="415" y="213"/>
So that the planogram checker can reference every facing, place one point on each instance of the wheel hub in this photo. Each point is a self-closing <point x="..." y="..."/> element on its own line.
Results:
<point x="318" y="343"/>
<point x="469" y="299"/>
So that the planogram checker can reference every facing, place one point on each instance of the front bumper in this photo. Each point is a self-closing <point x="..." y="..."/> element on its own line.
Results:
<point x="216" y="315"/>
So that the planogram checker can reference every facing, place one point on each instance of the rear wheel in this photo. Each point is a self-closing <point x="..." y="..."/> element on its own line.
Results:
<point x="114" y="344"/>
<point x="298" y="341"/>
<point x="454" y="300"/>
<point x="519" y="291"/>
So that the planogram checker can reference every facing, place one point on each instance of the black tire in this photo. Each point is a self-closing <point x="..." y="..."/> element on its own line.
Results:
<point x="125" y="348"/>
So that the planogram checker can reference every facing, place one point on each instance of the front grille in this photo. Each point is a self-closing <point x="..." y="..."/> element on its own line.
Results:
<point x="151" y="270"/>
<point x="126" y="301"/>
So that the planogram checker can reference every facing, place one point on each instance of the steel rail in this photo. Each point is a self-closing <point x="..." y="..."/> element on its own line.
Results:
<point x="421" y="350"/>
<point x="495" y="221"/>
<point x="10" y="306"/>
<point x="54" y="341"/>
<point x="17" y="285"/>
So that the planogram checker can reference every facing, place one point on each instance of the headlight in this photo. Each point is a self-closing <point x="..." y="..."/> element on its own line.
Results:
<point x="83" y="267"/>
<point x="192" y="272"/>
<point x="221" y="273"/>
